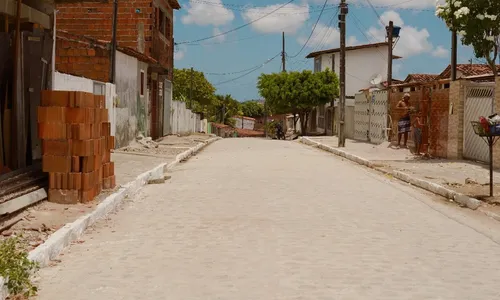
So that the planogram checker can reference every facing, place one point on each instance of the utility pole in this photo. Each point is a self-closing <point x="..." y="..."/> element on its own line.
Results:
<point x="390" y="30"/>
<point x="191" y="89"/>
<point x="283" y="58"/>
<point x="113" y="42"/>
<point x="341" y="126"/>
<point x="453" y="55"/>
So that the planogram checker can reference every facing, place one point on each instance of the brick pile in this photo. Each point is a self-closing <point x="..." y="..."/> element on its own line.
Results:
<point x="76" y="144"/>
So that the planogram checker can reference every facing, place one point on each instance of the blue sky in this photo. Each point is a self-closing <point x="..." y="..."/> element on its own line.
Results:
<point x="424" y="43"/>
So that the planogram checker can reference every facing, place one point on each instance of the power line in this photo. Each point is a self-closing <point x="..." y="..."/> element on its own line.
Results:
<point x="312" y="31"/>
<point x="237" y="28"/>
<point x="233" y="73"/>
<point x="246" y="38"/>
<point x="249" y="72"/>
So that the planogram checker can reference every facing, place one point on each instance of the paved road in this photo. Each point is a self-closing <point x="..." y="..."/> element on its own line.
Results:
<point x="250" y="219"/>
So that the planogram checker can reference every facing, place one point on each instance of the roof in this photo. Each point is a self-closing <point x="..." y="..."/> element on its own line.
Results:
<point x="62" y="34"/>
<point x="243" y="117"/>
<point x="175" y="4"/>
<point x="351" y="48"/>
<point x="420" y="77"/>
<point x="468" y="70"/>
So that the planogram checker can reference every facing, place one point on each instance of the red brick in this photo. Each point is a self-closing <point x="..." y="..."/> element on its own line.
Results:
<point x="112" y="168"/>
<point x="100" y="101"/>
<point x="109" y="183"/>
<point x="52" y="131"/>
<point x="55" y="98"/>
<point x="52" y="181"/>
<point x="106" y="129"/>
<point x="75" y="164"/>
<point x="89" y="180"/>
<point x="80" y="115"/>
<point x="88" y="196"/>
<point x="56" y="147"/>
<point x="58" y="164"/>
<point x="110" y="143"/>
<point x="64" y="196"/>
<point x="51" y="114"/>
<point x="105" y="170"/>
<point x="91" y="163"/>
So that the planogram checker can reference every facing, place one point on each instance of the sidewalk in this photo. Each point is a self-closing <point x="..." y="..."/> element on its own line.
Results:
<point x="42" y="220"/>
<point x="444" y="177"/>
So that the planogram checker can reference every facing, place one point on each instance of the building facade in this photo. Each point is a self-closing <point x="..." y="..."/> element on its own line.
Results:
<point x="145" y="30"/>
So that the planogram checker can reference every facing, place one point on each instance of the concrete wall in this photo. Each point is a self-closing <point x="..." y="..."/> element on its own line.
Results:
<point x="66" y="82"/>
<point x="363" y="65"/>
<point x="182" y="120"/>
<point x="128" y="93"/>
<point x="245" y="123"/>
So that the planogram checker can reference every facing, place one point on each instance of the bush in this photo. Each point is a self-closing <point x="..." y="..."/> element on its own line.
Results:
<point x="16" y="268"/>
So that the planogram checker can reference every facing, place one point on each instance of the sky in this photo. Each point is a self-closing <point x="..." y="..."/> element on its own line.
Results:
<point x="229" y="61"/>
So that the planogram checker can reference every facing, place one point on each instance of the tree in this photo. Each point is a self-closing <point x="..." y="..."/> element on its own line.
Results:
<point x="298" y="92"/>
<point x="252" y="109"/>
<point x="202" y="90"/>
<point x="478" y="24"/>
<point x="224" y="108"/>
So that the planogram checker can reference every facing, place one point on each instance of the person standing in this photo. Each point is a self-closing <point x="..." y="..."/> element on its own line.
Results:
<point x="418" y="125"/>
<point x="404" y="123"/>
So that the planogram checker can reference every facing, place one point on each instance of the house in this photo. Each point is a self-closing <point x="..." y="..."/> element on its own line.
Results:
<point x="143" y="65"/>
<point x="411" y="78"/>
<point x="20" y="147"/>
<point x="364" y="63"/>
<point x="244" y="122"/>
<point x="468" y="70"/>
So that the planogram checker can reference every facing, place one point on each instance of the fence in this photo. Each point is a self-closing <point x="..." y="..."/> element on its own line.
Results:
<point x="182" y="120"/>
<point x="479" y="101"/>
<point x="370" y="117"/>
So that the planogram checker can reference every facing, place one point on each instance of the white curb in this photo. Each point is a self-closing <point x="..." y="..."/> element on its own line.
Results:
<point x="60" y="239"/>
<point x="435" y="188"/>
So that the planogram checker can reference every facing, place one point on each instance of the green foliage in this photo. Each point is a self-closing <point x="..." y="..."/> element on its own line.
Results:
<point x="252" y="109"/>
<point x="203" y="90"/>
<point x="16" y="268"/>
<point x="298" y="92"/>
<point x="478" y="24"/>
<point x="223" y="109"/>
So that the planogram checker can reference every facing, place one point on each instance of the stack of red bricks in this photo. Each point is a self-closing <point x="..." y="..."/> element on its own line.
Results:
<point x="76" y="142"/>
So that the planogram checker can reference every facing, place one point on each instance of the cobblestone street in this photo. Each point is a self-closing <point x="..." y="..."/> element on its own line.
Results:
<point x="254" y="219"/>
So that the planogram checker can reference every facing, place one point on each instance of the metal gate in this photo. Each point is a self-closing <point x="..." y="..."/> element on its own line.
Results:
<point x="370" y="117"/>
<point x="479" y="101"/>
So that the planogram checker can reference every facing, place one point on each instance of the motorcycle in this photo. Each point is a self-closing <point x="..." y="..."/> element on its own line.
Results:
<point x="280" y="135"/>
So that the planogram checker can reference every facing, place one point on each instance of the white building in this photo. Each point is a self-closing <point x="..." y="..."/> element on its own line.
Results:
<point x="363" y="64"/>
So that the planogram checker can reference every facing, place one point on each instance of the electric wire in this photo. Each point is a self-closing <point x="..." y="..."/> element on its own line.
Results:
<point x="312" y="31"/>
<point x="236" y="28"/>
<point x="249" y="72"/>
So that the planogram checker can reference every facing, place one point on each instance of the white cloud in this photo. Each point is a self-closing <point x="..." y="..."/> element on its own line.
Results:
<point x="180" y="52"/>
<point x="386" y="3"/>
<point x="219" y="38"/>
<point x="204" y="14"/>
<point x="413" y="41"/>
<point x="399" y="3"/>
<point x="326" y="37"/>
<point x="440" y="51"/>
<point x="288" y="19"/>
<point x="352" y="41"/>
<point x="323" y="36"/>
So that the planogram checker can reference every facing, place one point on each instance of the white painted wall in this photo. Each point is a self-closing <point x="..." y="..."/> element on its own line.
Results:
<point x="245" y="123"/>
<point x="182" y="120"/>
<point x="361" y="66"/>
<point x="65" y="82"/>
<point x="127" y="92"/>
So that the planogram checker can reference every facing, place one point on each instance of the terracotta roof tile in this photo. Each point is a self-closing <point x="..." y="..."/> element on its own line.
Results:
<point x="421" y="77"/>
<point x="466" y="70"/>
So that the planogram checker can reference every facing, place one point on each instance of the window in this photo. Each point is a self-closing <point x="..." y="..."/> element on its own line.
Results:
<point x="161" y="22"/>
<point x="99" y="88"/>
<point x="317" y="64"/>
<point x="142" y="82"/>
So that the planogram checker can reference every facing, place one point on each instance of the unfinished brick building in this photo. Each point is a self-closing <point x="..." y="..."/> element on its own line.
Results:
<point x="144" y="26"/>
